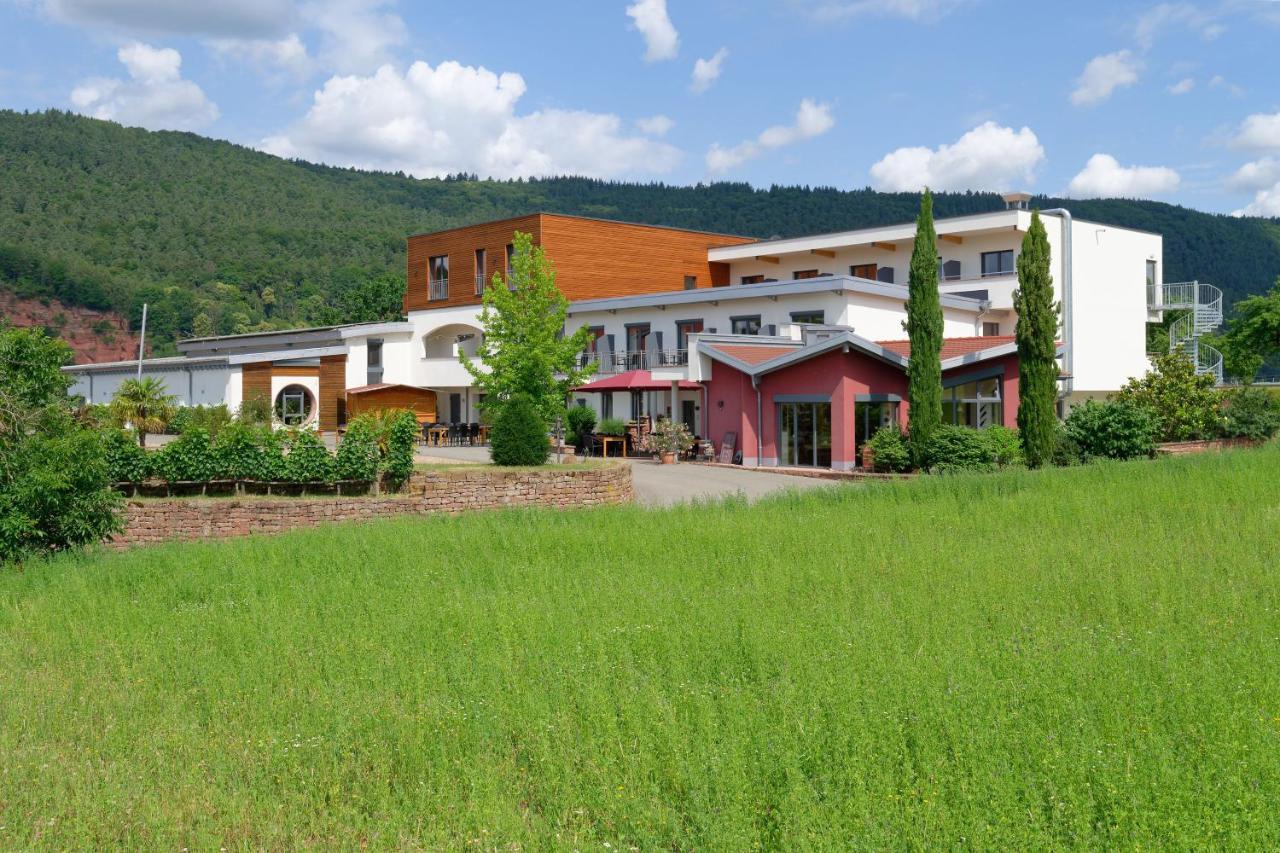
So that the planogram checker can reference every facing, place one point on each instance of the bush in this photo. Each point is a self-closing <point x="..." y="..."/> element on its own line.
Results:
<point x="238" y="453"/>
<point x="671" y="437"/>
<point x="519" y="435"/>
<point x="272" y="461"/>
<point x="1065" y="450"/>
<point x="255" y="411"/>
<point x="1004" y="445"/>
<point x="358" y="455"/>
<point x="957" y="448"/>
<point x="401" y="435"/>
<point x="309" y="461"/>
<point x="889" y="453"/>
<point x="1251" y="413"/>
<point x="611" y="426"/>
<point x="1112" y="430"/>
<point x="581" y="421"/>
<point x="188" y="458"/>
<point x="126" y="461"/>
<point x="1185" y="405"/>
<point x="212" y="419"/>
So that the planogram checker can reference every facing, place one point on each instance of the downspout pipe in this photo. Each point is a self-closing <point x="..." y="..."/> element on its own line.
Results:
<point x="1068" y="321"/>
<point x="755" y="383"/>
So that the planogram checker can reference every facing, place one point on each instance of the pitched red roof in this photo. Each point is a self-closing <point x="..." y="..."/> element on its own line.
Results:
<point x="952" y="347"/>
<point x="754" y="354"/>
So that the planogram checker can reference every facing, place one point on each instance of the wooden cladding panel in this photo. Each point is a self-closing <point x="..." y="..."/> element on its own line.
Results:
<point x="593" y="258"/>
<point x="256" y="380"/>
<point x="333" y="394"/>
<point x="420" y="401"/>
<point x="294" y="370"/>
<point x="460" y="245"/>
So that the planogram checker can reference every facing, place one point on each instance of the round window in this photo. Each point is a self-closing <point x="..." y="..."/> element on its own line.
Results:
<point x="294" y="405"/>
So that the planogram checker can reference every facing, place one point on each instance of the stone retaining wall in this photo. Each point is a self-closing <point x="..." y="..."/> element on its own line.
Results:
<point x="430" y="492"/>
<point x="1180" y="448"/>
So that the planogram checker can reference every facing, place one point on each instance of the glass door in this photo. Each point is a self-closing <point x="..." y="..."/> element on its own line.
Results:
<point x="804" y="435"/>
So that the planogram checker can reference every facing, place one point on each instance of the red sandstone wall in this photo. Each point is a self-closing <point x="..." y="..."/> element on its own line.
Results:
<point x="447" y="491"/>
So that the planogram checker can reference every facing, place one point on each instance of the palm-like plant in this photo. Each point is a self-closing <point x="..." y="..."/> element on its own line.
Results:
<point x="144" y="404"/>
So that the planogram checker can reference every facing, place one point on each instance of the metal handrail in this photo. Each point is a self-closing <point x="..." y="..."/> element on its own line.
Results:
<point x="642" y="360"/>
<point x="1203" y="304"/>
<point x="439" y="289"/>
<point x="480" y="284"/>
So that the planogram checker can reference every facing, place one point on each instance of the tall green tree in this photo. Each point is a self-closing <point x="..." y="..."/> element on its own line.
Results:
<point x="143" y="404"/>
<point x="924" y="328"/>
<point x="1036" y="334"/>
<point x="524" y="349"/>
<point x="1253" y="335"/>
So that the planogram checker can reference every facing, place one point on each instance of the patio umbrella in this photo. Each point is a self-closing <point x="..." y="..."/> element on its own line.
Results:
<point x="635" y="380"/>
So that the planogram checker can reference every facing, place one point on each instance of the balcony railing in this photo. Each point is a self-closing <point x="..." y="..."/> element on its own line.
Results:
<point x="619" y="362"/>
<point x="479" y="284"/>
<point x="439" y="289"/>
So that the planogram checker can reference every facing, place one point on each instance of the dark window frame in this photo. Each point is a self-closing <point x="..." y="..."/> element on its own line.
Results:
<point x="733" y="323"/>
<point x="1000" y="255"/>
<point x="821" y="321"/>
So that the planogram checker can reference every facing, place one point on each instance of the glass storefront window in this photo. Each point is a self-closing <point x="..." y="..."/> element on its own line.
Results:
<point x="974" y="404"/>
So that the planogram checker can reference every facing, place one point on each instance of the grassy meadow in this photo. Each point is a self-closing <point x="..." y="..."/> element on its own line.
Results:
<point x="1077" y="658"/>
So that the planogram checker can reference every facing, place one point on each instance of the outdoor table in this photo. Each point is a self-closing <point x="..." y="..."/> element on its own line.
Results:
<point x="606" y="440"/>
<point x="438" y="435"/>
<point x="484" y="434"/>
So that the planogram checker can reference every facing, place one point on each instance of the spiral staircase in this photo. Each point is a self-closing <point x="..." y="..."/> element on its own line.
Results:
<point x="1203" y="306"/>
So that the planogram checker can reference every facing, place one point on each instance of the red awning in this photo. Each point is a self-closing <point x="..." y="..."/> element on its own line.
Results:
<point x="635" y="380"/>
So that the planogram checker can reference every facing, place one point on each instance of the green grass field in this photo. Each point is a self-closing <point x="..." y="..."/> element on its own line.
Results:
<point x="1088" y="657"/>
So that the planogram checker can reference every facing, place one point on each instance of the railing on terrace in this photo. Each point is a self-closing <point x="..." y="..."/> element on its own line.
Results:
<point x="620" y="362"/>
<point x="439" y="289"/>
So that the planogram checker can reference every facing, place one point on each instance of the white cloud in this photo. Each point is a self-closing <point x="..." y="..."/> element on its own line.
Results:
<point x="1257" y="175"/>
<point x="989" y="157"/>
<point x="1104" y="177"/>
<point x="706" y="71"/>
<point x="1165" y="15"/>
<point x="213" y="18"/>
<point x="812" y="119"/>
<point x="358" y="35"/>
<point x="288" y="54"/>
<point x="1220" y="82"/>
<point x="926" y="10"/>
<point x="660" y="36"/>
<point x="453" y="118"/>
<point x="1103" y="75"/>
<point x="655" y="125"/>
<point x="1183" y="86"/>
<point x="1265" y="203"/>
<point x="1259" y="132"/>
<point x="155" y="97"/>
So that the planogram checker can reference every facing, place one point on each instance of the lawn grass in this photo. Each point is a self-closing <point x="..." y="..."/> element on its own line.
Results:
<point x="1078" y="658"/>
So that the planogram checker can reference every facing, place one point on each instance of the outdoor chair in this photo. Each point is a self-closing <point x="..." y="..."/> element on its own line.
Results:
<point x="473" y="434"/>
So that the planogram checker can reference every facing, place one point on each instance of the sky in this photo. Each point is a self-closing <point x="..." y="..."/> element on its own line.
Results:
<point x="1176" y="101"/>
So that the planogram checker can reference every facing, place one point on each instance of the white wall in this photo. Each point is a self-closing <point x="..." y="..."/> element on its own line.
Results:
<point x="203" y="387"/>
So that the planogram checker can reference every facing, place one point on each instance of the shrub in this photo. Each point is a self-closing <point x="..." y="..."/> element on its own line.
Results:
<point x="1185" y="405"/>
<point x="358" y="455"/>
<point x="255" y="410"/>
<point x="1004" y="445"/>
<point x="401" y="435"/>
<point x="581" y="421"/>
<point x="212" y="419"/>
<point x="671" y="437"/>
<point x="309" y="461"/>
<point x="1251" y="413"/>
<point x="239" y="453"/>
<point x="957" y="448"/>
<point x="1065" y="450"/>
<point x="611" y="426"/>
<point x="519" y="435"/>
<point x="1112" y="430"/>
<point x="188" y="458"/>
<point x="126" y="461"/>
<point x="272" y="460"/>
<point x="889" y="453"/>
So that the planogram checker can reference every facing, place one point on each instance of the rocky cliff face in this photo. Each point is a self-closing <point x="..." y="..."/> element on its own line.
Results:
<point x="95" y="336"/>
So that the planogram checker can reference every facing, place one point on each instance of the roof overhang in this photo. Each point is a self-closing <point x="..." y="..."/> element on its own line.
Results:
<point x="262" y="342"/>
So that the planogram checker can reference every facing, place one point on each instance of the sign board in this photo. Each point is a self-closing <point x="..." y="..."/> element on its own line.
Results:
<point x="727" y="447"/>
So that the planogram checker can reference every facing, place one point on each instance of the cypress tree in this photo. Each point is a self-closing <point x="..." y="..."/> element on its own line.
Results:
<point x="1036" y="334"/>
<point x="924" y="329"/>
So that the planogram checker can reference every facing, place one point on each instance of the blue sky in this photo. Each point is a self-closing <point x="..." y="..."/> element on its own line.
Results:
<point x="1177" y="101"/>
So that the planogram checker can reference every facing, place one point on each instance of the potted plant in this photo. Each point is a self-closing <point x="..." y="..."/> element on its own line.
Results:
<point x="670" y="438"/>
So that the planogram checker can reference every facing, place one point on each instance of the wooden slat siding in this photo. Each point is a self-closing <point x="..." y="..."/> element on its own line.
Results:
<point x="333" y="393"/>
<point x="420" y="401"/>
<point x="295" y="370"/>
<point x="593" y="258"/>
<point x="256" y="380"/>
<point x="460" y="245"/>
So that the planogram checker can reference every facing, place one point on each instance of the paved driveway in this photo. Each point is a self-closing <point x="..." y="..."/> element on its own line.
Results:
<point x="661" y="485"/>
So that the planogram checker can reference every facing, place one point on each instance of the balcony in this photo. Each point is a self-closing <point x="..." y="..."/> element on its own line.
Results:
<point x="438" y="289"/>
<point x="619" y="362"/>
<point x="479" y="284"/>
<point x="446" y="373"/>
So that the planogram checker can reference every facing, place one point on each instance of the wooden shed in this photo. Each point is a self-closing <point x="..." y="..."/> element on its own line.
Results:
<point x="372" y="398"/>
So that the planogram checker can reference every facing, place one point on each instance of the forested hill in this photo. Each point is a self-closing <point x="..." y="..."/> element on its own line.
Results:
<point x="219" y="238"/>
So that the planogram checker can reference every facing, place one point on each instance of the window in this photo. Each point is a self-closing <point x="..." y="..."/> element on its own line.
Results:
<point x="438" y="271"/>
<point x="997" y="263"/>
<point x="885" y="274"/>
<point x="949" y="270"/>
<point x="374" y="371"/>
<point x="481" y="259"/>
<point x="867" y="271"/>
<point x="752" y="279"/>
<point x="691" y="282"/>
<point x="974" y="404"/>
<point x="294" y="405"/>
<point x="804" y="435"/>
<point x="870" y="416"/>
<point x="606" y="405"/>
<point x="1151" y="281"/>
<point x="592" y="352"/>
<point x="745" y="325"/>
<point x="511" y="268"/>
<point x="799" y="274"/>
<point x="685" y="328"/>
<point x="637" y="336"/>
<point x="990" y="329"/>
<point x="818" y="317"/>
